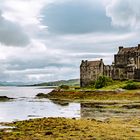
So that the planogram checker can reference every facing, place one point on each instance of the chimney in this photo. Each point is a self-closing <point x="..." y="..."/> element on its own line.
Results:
<point x="82" y="61"/>
<point x="120" y="47"/>
<point x="138" y="46"/>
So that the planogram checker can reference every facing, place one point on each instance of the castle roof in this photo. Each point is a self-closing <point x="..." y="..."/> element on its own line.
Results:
<point x="128" y="50"/>
<point x="94" y="63"/>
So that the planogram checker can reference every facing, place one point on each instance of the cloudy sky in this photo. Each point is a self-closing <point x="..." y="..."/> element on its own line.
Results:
<point x="45" y="40"/>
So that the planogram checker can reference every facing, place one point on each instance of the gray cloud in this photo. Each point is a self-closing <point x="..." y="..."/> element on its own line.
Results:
<point x="77" y="17"/>
<point x="65" y="60"/>
<point x="11" y="34"/>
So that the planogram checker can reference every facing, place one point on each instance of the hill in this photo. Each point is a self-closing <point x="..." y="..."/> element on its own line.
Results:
<point x="2" y="83"/>
<point x="71" y="82"/>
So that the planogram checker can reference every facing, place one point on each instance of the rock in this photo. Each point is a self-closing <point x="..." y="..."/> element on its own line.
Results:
<point x="136" y="130"/>
<point x="41" y="95"/>
<point x="131" y="106"/>
<point x="103" y="120"/>
<point x="4" y="98"/>
<point x="120" y="90"/>
<point x="49" y="133"/>
<point x="60" y="102"/>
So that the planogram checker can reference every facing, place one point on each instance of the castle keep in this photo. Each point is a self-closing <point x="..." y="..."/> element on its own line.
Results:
<point x="126" y="66"/>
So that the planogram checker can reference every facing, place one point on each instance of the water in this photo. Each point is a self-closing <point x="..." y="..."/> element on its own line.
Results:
<point x="26" y="106"/>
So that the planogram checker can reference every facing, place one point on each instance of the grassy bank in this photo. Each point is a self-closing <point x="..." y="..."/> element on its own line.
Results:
<point x="71" y="129"/>
<point x="113" y="91"/>
<point x="91" y="95"/>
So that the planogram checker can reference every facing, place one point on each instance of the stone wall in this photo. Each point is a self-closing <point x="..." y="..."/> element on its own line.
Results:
<point x="90" y="71"/>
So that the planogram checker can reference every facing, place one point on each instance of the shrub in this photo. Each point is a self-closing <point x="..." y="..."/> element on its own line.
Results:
<point x="129" y="81"/>
<point x="64" y="87"/>
<point x="102" y="81"/>
<point x="131" y="86"/>
<point x="92" y="83"/>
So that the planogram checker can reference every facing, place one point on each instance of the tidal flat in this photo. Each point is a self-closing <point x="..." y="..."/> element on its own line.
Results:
<point x="103" y="115"/>
<point x="112" y="115"/>
<point x="73" y="129"/>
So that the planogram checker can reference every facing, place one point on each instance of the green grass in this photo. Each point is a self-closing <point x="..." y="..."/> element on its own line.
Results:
<point x="113" y="86"/>
<point x="111" y="92"/>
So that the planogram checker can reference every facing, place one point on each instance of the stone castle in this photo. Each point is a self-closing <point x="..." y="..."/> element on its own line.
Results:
<point x="126" y="66"/>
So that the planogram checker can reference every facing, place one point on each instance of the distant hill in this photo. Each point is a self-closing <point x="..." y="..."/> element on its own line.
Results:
<point x="11" y="83"/>
<point x="72" y="82"/>
<point x="14" y="83"/>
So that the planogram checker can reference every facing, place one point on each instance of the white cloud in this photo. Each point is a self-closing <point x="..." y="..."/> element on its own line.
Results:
<point x="125" y="13"/>
<point x="25" y="12"/>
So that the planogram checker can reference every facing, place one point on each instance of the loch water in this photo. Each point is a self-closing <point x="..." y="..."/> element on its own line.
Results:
<point x="25" y="105"/>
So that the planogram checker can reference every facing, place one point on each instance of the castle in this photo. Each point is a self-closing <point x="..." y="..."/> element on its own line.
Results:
<point x="126" y="66"/>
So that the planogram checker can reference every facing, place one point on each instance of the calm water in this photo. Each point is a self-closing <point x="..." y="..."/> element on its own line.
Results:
<point x="26" y="106"/>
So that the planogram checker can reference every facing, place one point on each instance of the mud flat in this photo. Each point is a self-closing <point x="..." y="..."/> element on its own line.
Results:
<point x="106" y="110"/>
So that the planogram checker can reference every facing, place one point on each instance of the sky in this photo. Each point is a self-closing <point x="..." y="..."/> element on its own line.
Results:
<point x="45" y="40"/>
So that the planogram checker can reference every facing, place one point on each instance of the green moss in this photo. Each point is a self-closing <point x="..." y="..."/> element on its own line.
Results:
<point x="61" y="128"/>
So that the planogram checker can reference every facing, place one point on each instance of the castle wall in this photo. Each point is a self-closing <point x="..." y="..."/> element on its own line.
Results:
<point x="137" y="75"/>
<point x="89" y="74"/>
<point x="108" y="70"/>
<point x="119" y="74"/>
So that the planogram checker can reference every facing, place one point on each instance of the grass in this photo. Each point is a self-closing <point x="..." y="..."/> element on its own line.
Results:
<point x="92" y="95"/>
<point x="71" y="129"/>
<point x="113" y="86"/>
<point x="111" y="92"/>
